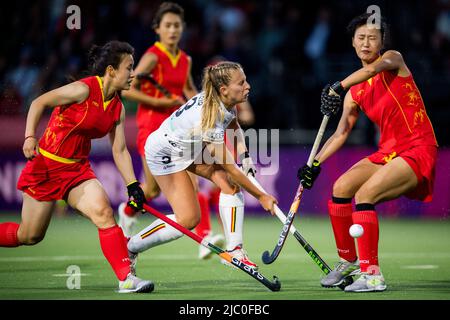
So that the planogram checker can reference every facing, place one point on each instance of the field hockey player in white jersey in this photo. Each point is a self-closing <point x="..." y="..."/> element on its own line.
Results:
<point x="192" y="140"/>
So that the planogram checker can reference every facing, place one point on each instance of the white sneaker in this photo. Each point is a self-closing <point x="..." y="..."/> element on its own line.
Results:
<point x="367" y="283"/>
<point x="217" y="240"/>
<point x="126" y="222"/>
<point x="240" y="254"/>
<point x="134" y="284"/>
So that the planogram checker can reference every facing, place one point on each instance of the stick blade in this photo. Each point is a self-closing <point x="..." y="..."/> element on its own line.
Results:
<point x="276" y="284"/>
<point x="267" y="258"/>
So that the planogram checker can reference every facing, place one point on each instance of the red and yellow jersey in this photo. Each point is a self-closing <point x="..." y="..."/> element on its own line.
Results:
<point x="395" y="105"/>
<point x="70" y="129"/>
<point x="172" y="73"/>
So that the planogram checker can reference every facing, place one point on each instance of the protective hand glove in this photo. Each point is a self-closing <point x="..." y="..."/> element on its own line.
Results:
<point x="136" y="197"/>
<point x="308" y="175"/>
<point x="331" y="103"/>
<point x="247" y="165"/>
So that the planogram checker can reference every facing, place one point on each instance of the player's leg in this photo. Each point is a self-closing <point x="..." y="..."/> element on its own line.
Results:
<point x="203" y="229"/>
<point x="340" y="212"/>
<point x="36" y="217"/>
<point x="127" y="215"/>
<point x="391" y="181"/>
<point x="231" y="208"/>
<point x="179" y="192"/>
<point x="91" y="200"/>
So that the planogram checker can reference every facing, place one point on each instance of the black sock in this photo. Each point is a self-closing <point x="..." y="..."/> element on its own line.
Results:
<point x="365" y="207"/>
<point x="341" y="200"/>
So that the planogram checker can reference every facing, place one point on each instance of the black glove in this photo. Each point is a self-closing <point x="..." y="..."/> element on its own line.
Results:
<point x="308" y="175"/>
<point x="136" y="197"/>
<point x="330" y="103"/>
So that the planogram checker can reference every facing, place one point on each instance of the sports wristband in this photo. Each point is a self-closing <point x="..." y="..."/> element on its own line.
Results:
<point x="337" y="87"/>
<point x="132" y="183"/>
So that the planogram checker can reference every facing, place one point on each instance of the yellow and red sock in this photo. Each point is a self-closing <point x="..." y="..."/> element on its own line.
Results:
<point x="204" y="227"/>
<point x="368" y="242"/>
<point x="341" y="220"/>
<point x="8" y="234"/>
<point x="114" y="247"/>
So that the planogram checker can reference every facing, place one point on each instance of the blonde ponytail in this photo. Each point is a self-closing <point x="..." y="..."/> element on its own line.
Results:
<point x="213" y="78"/>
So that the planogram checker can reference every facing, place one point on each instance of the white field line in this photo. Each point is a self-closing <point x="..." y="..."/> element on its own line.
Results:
<point x="175" y="256"/>
<point x="421" y="267"/>
<point x="71" y="274"/>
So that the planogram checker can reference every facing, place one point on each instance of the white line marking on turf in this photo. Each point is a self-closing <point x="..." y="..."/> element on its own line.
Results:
<point x="421" y="267"/>
<point x="178" y="257"/>
<point x="71" y="274"/>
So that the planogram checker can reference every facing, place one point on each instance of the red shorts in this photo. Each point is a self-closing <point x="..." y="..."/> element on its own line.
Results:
<point x="49" y="180"/>
<point x="144" y="132"/>
<point x="422" y="159"/>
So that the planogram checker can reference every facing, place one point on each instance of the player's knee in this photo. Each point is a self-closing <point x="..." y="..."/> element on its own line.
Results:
<point x="341" y="188"/>
<point x="189" y="222"/>
<point x="366" y="194"/>
<point x="31" y="238"/>
<point x="103" y="217"/>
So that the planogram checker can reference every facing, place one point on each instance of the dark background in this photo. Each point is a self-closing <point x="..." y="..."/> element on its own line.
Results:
<point x="289" y="50"/>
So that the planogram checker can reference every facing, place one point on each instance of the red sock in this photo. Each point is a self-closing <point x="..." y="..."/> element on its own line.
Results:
<point x="341" y="221"/>
<point x="214" y="196"/>
<point x="204" y="227"/>
<point x="368" y="242"/>
<point x="115" y="250"/>
<point x="8" y="234"/>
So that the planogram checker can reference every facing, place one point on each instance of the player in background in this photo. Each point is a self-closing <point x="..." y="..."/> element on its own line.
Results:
<point x="171" y="67"/>
<point x="58" y="166"/>
<point x="384" y="89"/>
<point x="183" y="144"/>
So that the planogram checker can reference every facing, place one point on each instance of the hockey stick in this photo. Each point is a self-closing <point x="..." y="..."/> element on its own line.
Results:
<point x="311" y="252"/>
<point x="149" y="77"/>
<point x="274" y="285"/>
<point x="268" y="258"/>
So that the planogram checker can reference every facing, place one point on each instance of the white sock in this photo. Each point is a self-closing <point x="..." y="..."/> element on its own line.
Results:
<point x="155" y="234"/>
<point x="231" y="209"/>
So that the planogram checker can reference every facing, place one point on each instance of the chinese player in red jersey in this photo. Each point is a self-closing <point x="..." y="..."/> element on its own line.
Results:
<point x="384" y="89"/>
<point x="58" y="166"/>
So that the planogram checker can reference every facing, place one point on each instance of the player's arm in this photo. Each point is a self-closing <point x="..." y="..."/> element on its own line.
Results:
<point x="189" y="89"/>
<point x="391" y="60"/>
<point x="348" y="119"/>
<point x="223" y="157"/>
<point x="146" y="65"/>
<point x="120" y="152"/>
<point x="75" y="92"/>
<point x="241" y="148"/>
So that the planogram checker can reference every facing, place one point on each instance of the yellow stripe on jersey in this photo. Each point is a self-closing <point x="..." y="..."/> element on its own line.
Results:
<point x="105" y="103"/>
<point x="57" y="158"/>
<point x="173" y="59"/>
<point x="153" y="230"/>
<point x="395" y="99"/>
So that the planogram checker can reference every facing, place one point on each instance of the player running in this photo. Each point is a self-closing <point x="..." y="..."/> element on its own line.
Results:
<point x="170" y="67"/>
<point x="192" y="140"/>
<point x="384" y="89"/>
<point x="58" y="166"/>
